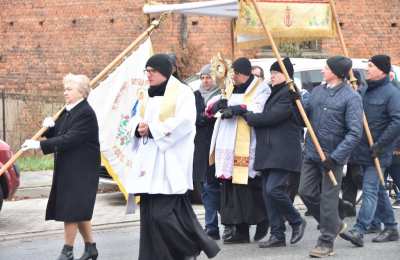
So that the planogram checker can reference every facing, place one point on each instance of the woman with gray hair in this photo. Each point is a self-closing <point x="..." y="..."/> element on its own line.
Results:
<point x="74" y="140"/>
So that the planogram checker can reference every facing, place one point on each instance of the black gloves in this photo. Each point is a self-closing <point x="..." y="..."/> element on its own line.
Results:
<point x="293" y="95"/>
<point x="376" y="150"/>
<point x="329" y="164"/>
<point x="220" y="104"/>
<point x="231" y="111"/>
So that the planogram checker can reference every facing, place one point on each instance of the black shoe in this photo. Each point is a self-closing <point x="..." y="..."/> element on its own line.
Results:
<point x="387" y="235"/>
<point x="90" y="252"/>
<point x="298" y="232"/>
<point x="355" y="237"/>
<point x="213" y="234"/>
<point x="346" y="209"/>
<point x="261" y="231"/>
<point x="373" y="230"/>
<point x="228" y="231"/>
<point x="190" y="257"/>
<point x="272" y="242"/>
<point x="238" y="237"/>
<point x="66" y="253"/>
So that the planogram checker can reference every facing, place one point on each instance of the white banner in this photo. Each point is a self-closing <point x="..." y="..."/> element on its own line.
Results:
<point x="114" y="102"/>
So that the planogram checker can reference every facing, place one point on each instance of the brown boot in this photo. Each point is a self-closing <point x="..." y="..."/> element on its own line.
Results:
<point x="322" y="251"/>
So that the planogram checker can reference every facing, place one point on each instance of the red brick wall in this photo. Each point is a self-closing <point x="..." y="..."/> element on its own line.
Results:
<point x="43" y="40"/>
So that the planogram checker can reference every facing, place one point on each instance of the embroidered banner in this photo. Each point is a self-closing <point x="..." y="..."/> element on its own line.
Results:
<point x="115" y="101"/>
<point x="287" y="21"/>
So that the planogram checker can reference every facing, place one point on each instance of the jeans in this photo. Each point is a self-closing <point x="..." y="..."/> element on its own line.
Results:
<point x="277" y="201"/>
<point x="375" y="202"/>
<point x="322" y="198"/>
<point x="210" y="196"/>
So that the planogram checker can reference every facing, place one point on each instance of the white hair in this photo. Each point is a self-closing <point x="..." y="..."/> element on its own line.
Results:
<point x="79" y="81"/>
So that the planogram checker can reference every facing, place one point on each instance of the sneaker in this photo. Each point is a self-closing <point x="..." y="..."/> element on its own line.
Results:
<point x="353" y="236"/>
<point x="396" y="204"/>
<point x="321" y="251"/>
<point x="387" y="235"/>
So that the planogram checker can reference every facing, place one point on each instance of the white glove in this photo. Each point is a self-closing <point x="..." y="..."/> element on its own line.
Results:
<point x="48" y="122"/>
<point x="30" y="144"/>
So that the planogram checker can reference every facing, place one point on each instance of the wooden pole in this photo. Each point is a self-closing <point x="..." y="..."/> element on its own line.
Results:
<point x="110" y="67"/>
<point x="353" y="81"/>
<point x="291" y="86"/>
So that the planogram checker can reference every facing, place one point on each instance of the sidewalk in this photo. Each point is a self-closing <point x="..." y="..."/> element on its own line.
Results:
<point x="24" y="216"/>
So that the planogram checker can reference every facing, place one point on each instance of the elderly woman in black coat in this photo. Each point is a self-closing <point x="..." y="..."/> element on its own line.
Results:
<point x="74" y="140"/>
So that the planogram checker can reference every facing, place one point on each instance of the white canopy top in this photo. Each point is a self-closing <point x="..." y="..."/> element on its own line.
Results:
<point x="224" y="8"/>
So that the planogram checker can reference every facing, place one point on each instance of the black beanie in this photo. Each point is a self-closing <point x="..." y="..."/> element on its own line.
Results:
<point x="288" y="65"/>
<point x="340" y="66"/>
<point x="382" y="62"/>
<point x="161" y="63"/>
<point x="242" y="65"/>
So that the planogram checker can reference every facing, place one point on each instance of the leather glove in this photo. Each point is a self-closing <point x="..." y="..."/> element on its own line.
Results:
<point x="30" y="144"/>
<point x="219" y="105"/>
<point x="226" y="113"/>
<point x="376" y="150"/>
<point x="48" y="122"/>
<point x="329" y="164"/>
<point x="293" y="95"/>
<point x="238" y="110"/>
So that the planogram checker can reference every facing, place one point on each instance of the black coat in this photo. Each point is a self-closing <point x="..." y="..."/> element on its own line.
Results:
<point x="278" y="135"/>
<point x="202" y="141"/>
<point x="74" y="140"/>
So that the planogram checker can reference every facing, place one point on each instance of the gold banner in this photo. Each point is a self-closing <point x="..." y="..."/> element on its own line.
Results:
<point x="287" y="22"/>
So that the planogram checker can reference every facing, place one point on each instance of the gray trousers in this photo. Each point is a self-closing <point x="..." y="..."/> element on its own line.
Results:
<point x="322" y="199"/>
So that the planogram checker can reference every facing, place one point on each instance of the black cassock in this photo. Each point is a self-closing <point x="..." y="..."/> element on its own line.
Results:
<point x="169" y="229"/>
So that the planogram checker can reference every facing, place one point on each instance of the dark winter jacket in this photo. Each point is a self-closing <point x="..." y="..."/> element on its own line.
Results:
<point x="278" y="135"/>
<point x="336" y="117"/>
<point x="74" y="140"/>
<point x="381" y="101"/>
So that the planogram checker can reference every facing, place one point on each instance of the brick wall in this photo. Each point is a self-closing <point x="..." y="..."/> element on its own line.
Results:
<point x="43" y="40"/>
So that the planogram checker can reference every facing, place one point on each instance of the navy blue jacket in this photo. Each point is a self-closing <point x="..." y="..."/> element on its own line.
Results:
<point x="381" y="101"/>
<point x="336" y="117"/>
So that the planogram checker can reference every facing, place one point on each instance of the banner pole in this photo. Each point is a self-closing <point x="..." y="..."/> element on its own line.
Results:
<point x="108" y="69"/>
<point x="291" y="86"/>
<point x="353" y="81"/>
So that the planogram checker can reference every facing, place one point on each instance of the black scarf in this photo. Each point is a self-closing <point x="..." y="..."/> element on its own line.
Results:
<point x="275" y="89"/>
<point x="157" y="90"/>
<point x="240" y="89"/>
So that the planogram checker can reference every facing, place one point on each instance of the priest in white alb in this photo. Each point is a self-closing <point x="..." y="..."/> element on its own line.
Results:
<point x="163" y="131"/>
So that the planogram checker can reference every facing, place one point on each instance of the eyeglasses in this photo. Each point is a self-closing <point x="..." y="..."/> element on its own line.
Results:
<point x="150" y="71"/>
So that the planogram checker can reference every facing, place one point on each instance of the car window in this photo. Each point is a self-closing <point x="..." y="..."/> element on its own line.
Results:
<point x="309" y="79"/>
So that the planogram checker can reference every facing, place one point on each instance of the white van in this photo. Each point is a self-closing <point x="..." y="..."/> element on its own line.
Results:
<point x="307" y="72"/>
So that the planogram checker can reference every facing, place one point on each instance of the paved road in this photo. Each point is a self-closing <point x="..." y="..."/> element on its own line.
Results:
<point x="121" y="243"/>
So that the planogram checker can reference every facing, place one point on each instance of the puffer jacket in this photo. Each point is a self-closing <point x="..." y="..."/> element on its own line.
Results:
<point x="381" y="101"/>
<point x="336" y="117"/>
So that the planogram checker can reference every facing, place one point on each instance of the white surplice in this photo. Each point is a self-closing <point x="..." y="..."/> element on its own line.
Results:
<point x="164" y="164"/>
<point x="224" y="134"/>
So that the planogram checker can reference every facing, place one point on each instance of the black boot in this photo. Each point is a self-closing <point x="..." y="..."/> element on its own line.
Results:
<point x="239" y="235"/>
<point x="261" y="230"/>
<point x="90" y="252"/>
<point x="66" y="253"/>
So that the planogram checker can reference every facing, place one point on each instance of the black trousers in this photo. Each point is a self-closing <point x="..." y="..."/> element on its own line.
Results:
<point x="352" y="182"/>
<point x="322" y="198"/>
<point x="277" y="201"/>
<point x="169" y="229"/>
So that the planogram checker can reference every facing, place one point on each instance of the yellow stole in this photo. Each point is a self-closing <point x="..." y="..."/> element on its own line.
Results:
<point x="240" y="173"/>
<point x="168" y="104"/>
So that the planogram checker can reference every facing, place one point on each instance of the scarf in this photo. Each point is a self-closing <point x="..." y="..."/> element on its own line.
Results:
<point x="208" y="94"/>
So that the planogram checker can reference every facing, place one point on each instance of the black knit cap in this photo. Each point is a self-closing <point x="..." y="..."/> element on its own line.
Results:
<point x="288" y="65"/>
<point x="242" y="65"/>
<point x="382" y="62"/>
<point x="161" y="63"/>
<point x="340" y="66"/>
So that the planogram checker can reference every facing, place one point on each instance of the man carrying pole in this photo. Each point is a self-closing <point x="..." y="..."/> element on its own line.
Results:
<point x="335" y="111"/>
<point x="382" y="109"/>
